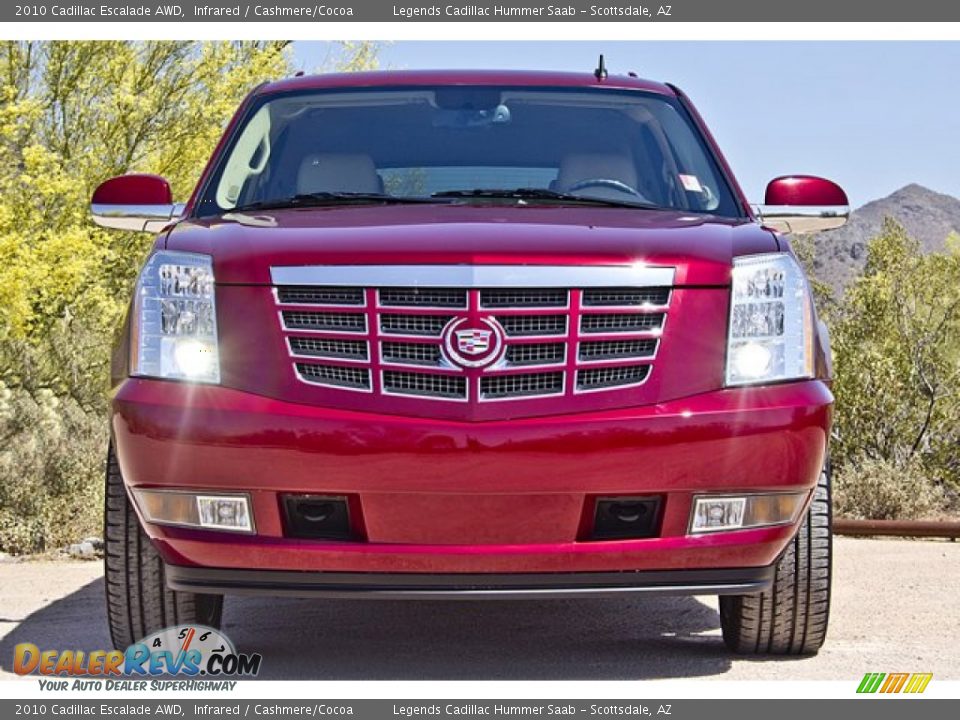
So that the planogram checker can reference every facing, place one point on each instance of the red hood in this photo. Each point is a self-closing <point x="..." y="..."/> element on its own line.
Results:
<point x="699" y="248"/>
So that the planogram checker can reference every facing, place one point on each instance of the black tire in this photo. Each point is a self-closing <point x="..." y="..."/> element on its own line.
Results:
<point x="138" y="599"/>
<point x="790" y="618"/>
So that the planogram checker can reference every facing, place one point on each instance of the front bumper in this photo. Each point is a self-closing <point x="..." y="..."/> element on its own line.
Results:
<point x="403" y="586"/>
<point x="453" y="498"/>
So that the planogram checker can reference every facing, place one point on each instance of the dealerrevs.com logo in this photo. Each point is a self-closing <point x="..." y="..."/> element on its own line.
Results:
<point x="182" y="651"/>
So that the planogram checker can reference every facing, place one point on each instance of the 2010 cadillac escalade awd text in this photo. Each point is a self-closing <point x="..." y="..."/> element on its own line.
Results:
<point x="471" y="335"/>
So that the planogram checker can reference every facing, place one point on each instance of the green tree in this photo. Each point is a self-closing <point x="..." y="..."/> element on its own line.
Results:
<point x="896" y="343"/>
<point x="71" y="115"/>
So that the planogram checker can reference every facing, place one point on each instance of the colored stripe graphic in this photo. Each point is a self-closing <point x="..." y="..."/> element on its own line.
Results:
<point x="913" y="683"/>
<point x="894" y="682"/>
<point x="918" y="682"/>
<point x="870" y="682"/>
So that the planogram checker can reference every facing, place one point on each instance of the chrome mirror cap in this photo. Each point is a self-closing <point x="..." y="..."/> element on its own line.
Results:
<point x="801" y="219"/>
<point x="136" y="218"/>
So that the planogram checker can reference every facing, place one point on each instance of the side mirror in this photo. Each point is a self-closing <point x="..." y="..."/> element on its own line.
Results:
<point x="803" y="204"/>
<point x="142" y="203"/>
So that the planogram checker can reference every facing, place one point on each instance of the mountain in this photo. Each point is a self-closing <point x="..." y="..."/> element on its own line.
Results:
<point x="927" y="216"/>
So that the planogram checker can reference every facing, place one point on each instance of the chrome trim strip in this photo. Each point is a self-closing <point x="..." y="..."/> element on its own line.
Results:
<point x="475" y="276"/>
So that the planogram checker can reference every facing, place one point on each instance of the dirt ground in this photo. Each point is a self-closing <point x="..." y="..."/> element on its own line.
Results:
<point x="896" y="607"/>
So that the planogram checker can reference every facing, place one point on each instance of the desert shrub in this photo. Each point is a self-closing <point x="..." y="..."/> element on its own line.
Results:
<point x="880" y="489"/>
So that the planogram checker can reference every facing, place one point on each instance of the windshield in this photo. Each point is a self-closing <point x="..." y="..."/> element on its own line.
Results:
<point x="468" y="145"/>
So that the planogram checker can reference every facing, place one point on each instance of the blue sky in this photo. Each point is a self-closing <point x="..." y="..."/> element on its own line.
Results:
<point x="872" y="116"/>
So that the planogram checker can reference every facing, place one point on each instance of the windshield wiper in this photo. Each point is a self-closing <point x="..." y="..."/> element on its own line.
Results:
<point x="542" y="194"/>
<point x="319" y="199"/>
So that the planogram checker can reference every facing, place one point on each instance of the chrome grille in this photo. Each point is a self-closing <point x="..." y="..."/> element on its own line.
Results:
<point x="536" y="354"/>
<point x="622" y="297"/>
<point x="620" y="323"/>
<point x="320" y="296"/>
<point x="406" y="353"/>
<point x="346" y="377"/>
<point x="527" y="325"/>
<point x="537" y="297"/>
<point x="323" y="347"/>
<point x="330" y="321"/>
<point x="508" y="386"/>
<point x="429" y="325"/>
<point x="422" y="297"/>
<point x="599" y="350"/>
<point x="610" y="377"/>
<point x="546" y="342"/>
<point x="450" y="387"/>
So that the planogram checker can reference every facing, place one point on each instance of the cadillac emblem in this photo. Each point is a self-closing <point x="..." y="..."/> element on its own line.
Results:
<point x="472" y="343"/>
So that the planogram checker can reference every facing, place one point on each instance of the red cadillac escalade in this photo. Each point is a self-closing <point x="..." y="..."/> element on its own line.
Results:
<point x="471" y="335"/>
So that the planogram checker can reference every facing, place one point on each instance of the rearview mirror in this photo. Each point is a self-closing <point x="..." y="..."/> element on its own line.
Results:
<point x="138" y="202"/>
<point x="803" y="204"/>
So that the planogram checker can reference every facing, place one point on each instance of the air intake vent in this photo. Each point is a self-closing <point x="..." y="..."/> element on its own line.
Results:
<point x="536" y="354"/>
<point x="530" y="325"/>
<point x="621" y="322"/>
<point x="330" y="321"/>
<point x="427" y="325"/>
<point x="598" y="350"/>
<point x="335" y="376"/>
<point x="425" y="385"/>
<point x="522" y="298"/>
<point x="323" y="347"/>
<point x="320" y="296"/>
<point x="509" y="386"/>
<point x="423" y="297"/>
<point x="600" y="378"/>
<point x="410" y="353"/>
<point x="616" y="297"/>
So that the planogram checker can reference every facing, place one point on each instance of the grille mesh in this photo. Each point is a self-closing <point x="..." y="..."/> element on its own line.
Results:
<point x="417" y="353"/>
<point x="527" y="325"/>
<point x="332" y="321"/>
<point x="522" y="298"/>
<point x="423" y="297"/>
<point x="423" y="384"/>
<point x="617" y="297"/>
<point x="594" y="350"/>
<point x="324" y="347"/>
<point x="536" y="354"/>
<point x="504" y="386"/>
<point x="608" y="377"/>
<point x="620" y="322"/>
<point x="320" y="296"/>
<point x="428" y="325"/>
<point x="358" y="378"/>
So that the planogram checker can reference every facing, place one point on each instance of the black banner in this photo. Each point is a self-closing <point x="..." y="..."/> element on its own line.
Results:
<point x="515" y="11"/>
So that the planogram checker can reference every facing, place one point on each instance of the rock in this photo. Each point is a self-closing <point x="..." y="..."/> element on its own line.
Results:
<point x="96" y="542"/>
<point x="84" y="549"/>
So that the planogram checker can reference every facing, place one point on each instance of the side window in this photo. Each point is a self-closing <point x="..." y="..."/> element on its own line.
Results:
<point x="248" y="159"/>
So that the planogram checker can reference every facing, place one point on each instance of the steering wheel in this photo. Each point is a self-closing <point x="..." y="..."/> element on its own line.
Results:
<point x="605" y="183"/>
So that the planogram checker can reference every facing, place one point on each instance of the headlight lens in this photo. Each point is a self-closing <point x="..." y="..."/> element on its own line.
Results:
<point x="174" y="329"/>
<point x="771" y="321"/>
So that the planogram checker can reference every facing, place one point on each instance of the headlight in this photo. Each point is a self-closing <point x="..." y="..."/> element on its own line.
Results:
<point x="771" y="321"/>
<point x="174" y="324"/>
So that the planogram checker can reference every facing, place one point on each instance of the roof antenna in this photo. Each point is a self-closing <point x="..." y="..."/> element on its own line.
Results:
<point x="601" y="72"/>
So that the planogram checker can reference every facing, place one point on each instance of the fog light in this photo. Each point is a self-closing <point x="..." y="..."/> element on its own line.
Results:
<point x="716" y="513"/>
<point x="213" y="512"/>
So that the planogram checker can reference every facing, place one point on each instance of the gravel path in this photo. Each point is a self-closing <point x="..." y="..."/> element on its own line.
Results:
<point x="896" y="608"/>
